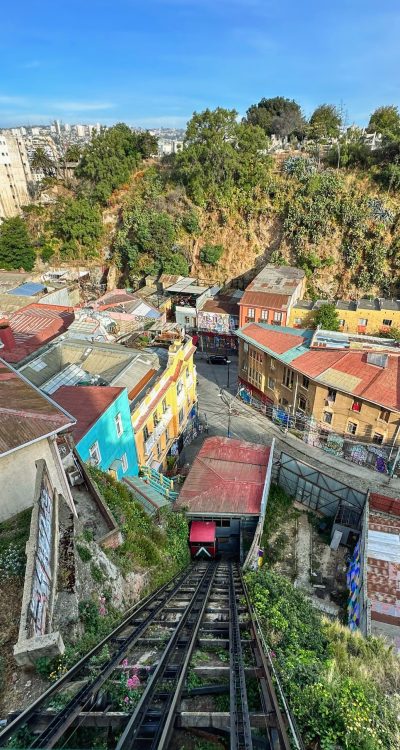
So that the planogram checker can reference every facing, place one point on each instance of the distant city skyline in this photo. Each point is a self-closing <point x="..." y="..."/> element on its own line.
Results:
<point x="151" y="65"/>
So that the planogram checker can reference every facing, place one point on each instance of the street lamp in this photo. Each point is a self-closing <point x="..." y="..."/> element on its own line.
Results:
<point x="229" y="404"/>
<point x="228" y="362"/>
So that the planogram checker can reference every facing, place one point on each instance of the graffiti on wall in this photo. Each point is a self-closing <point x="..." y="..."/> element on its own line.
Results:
<point x="216" y="322"/>
<point x="42" y="576"/>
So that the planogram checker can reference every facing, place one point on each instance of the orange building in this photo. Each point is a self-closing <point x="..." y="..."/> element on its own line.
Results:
<point x="271" y="295"/>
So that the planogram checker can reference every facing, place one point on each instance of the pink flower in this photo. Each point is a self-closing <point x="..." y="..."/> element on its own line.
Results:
<point x="126" y="699"/>
<point x="133" y="682"/>
<point x="125" y="663"/>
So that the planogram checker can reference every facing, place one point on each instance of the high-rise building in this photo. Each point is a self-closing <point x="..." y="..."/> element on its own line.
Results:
<point x="15" y="174"/>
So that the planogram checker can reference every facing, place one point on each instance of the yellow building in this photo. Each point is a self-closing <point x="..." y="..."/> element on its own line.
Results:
<point x="162" y="415"/>
<point x="361" y="316"/>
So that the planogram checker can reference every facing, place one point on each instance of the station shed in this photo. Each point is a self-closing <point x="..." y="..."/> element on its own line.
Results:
<point x="228" y="484"/>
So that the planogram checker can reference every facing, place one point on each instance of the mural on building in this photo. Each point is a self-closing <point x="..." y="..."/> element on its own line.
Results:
<point x="215" y="322"/>
<point x="42" y="576"/>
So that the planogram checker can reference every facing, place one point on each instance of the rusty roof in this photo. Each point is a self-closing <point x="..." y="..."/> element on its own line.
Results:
<point x="265" y="299"/>
<point x="26" y="414"/>
<point x="227" y="476"/>
<point x="87" y="403"/>
<point x="34" y="326"/>
<point x="221" y="305"/>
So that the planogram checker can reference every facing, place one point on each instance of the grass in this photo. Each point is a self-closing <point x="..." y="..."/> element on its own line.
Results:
<point x="279" y="511"/>
<point x="84" y="553"/>
<point x="14" y="534"/>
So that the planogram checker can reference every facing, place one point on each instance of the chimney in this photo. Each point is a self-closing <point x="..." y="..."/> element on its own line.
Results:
<point x="6" y="335"/>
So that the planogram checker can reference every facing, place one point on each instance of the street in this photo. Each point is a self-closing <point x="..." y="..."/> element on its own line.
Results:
<point x="247" y="424"/>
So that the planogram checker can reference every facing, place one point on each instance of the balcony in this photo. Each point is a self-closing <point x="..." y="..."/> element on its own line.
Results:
<point x="158" y="431"/>
<point x="250" y="319"/>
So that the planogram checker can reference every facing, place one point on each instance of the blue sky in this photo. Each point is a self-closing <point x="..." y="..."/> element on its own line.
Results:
<point x="154" y="62"/>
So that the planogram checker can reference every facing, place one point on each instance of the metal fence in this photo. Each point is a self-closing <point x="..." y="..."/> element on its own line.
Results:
<point x="380" y="458"/>
<point x="313" y="488"/>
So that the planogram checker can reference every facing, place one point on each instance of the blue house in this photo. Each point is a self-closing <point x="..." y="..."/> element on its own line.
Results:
<point x="103" y="432"/>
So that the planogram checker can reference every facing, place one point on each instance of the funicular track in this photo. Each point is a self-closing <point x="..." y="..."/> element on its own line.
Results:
<point x="201" y="614"/>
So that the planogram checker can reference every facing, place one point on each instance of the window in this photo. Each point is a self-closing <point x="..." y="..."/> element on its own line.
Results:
<point x="118" y="425"/>
<point x="158" y="450"/>
<point x="124" y="463"/>
<point x="332" y="395"/>
<point x="387" y="322"/>
<point x="327" y="417"/>
<point x="298" y="321"/>
<point x="167" y="435"/>
<point x="352" y="428"/>
<point x="271" y="383"/>
<point x="342" y="322"/>
<point x="384" y="415"/>
<point x="284" y="402"/>
<point x="377" y="438"/>
<point x="156" y="419"/>
<point x="181" y="415"/>
<point x="187" y="373"/>
<point x="272" y="364"/>
<point x="362" y="321"/>
<point x="356" y="405"/>
<point x="302" y="403"/>
<point x="164" y="405"/>
<point x="288" y="376"/>
<point x="179" y="387"/>
<point x="146" y="433"/>
<point x="95" y="454"/>
<point x="250" y="314"/>
<point x="305" y="382"/>
<point x="264" y="315"/>
<point x="277" y="318"/>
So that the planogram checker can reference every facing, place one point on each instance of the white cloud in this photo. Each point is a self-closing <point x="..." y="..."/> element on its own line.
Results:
<point x="74" y="106"/>
<point x="17" y="101"/>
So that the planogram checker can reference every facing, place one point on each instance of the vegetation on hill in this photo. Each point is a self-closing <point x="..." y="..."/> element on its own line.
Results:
<point x="16" y="249"/>
<point x="341" y="687"/>
<point x="330" y="207"/>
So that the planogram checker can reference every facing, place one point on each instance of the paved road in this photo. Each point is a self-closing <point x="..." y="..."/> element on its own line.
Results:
<point x="247" y="424"/>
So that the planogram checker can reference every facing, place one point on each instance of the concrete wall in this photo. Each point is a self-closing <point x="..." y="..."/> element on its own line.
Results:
<point x="111" y="446"/>
<point x="15" y="174"/>
<point x="186" y="316"/>
<point x="18" y="477"/>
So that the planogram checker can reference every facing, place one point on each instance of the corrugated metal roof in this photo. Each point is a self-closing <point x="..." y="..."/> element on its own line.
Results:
<point x="276" y="339"/>
<point x="265" y="299"/>
<point x="25" y="413"/>
<point x="34" y="326"/>
<point x="227" y="476"/>
<point x="86" y="403"/>
<point x="383" y="567"/>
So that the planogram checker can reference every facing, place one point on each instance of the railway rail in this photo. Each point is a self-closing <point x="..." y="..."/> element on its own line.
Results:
<point x="193" y="652"/>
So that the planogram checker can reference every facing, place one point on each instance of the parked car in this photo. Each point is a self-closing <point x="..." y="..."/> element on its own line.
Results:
<point x="217" y="359"/>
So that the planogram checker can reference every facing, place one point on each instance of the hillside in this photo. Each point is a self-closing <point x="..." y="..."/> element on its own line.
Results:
<point x="220" y="209"/>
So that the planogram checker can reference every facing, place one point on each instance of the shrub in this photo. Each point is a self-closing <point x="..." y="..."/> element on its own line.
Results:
<point x="211" y="254"/>
<point x="84" y="553"/>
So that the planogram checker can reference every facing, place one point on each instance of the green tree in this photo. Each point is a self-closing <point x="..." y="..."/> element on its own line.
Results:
<point x="327" y="317"/>
<point x="16" y="250"/>
<point x="386" y="121"/>
<point x="77" y="223"/>
<point x="211" y="254"/>
<point x="107" y="161"/>
<point x="42" y="162"/>
<point x="277" y="116"/>
<point x="325" y="122"/>
<point x="73" y="152"/>
<point x="221" y="158"/>
<point x="146" y="144"/>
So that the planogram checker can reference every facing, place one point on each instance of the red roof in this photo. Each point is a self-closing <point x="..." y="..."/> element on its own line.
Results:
<point x="384" y="504"/>
<point x="202" y="531"/>
<point x="227" y="476"/>
<point x="378" y="384"/>
<point x="26" y="414"/>
<point x="265" y="299"/>
<point x="87" y="403"/>
<point x="34" y="326"/>
<point x="275" y="340"/>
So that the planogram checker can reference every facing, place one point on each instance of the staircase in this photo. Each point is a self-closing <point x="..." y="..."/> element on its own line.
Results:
<point x="159" y="482"/>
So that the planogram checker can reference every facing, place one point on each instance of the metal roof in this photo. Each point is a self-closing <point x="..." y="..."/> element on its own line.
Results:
<point x="87" y="404"/>
<point x="26" y="415"/>
<point x="29" y="289"/>
<point x="227" y="477"/>
<point x="34" y="326"/>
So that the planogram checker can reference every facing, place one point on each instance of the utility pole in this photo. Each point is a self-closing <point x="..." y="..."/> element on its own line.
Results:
<point x="229" y="404"/>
